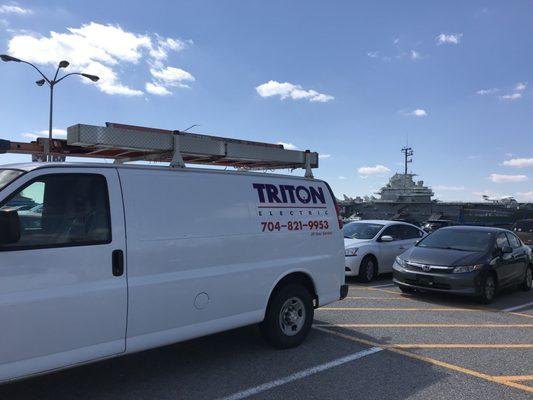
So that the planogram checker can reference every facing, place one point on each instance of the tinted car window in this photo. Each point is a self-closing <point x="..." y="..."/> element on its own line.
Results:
<point x="410" y="232"/>
<point x="458" y="239"/>
<point x="7" y="175"/>
<point x="502" y="241"/>
<point x="395" y="231"/>
<point x="515" y="243"/>
<point x="61" y="210"/>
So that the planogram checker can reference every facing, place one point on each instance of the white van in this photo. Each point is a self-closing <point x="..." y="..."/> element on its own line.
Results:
<point x="100" y="260"/>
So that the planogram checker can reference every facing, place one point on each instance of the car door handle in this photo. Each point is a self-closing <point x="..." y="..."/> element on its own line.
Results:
<point x="118" y="262"/>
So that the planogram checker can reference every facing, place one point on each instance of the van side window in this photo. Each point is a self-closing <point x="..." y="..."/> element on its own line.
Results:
<point x="61" y="210"/>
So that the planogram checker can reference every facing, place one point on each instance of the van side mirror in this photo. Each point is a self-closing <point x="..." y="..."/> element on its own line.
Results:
<point x="386" y="238"/>
<point x="9" y="226"/>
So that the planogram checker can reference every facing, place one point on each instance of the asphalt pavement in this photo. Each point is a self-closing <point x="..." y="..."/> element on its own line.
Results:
<point x="376" y="344"/>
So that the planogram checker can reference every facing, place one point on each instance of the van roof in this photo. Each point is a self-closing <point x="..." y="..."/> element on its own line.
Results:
<point x="27" y="167"/>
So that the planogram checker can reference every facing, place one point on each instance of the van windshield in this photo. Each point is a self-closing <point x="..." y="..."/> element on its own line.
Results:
<point x="8" y="175"/>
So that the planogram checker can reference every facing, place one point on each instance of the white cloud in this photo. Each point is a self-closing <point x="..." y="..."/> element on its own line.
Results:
<point x="288" y="146"/>
<point x="156" y="89"/>
<point x="14" y="9"/>
<point x="503" y="178"/>
<point x="342" y="177"/>
<point x="511" y="97"/>
<point x="453" y="38"/>
<point x="288" y="90"/>
<point x="378" y="169"/>
<point x="372" y="54"/>
<point x="520" y="86"/>
<point x="415" y="55"/>
<point x="519" y="162"/>
<point x="322" y="156"/>
<point x="449" y="188"/>
<point x="56" y="133"/>
<point x="103" y="50"/>
<point x="483" y="92"/>
<point x="525" y="196"/>
<point x="419" y="112"/>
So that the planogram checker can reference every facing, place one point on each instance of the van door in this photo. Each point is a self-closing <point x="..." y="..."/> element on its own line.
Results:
<point x="63" y="290"/>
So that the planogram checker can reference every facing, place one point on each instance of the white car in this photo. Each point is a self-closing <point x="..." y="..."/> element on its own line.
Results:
<point x="372" y="245"/>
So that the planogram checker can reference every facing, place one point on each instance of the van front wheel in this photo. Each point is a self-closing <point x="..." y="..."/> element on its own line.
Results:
<point x="288" y="317"/>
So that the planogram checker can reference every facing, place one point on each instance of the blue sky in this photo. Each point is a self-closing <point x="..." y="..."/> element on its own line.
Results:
<point x="350" y="80"/>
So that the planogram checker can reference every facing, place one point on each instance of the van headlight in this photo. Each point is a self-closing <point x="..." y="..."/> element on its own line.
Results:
<point x="351" y="252"/>
<point x="467" y="268"/>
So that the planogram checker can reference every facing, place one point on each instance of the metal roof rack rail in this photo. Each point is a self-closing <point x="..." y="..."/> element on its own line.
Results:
<point x="125" y="143"/>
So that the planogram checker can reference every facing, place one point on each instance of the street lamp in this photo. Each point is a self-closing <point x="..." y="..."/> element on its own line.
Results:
<point x="51" y="84"/>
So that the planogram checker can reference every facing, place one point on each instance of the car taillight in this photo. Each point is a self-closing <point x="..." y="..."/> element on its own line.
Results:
<point x="339" y="218"/>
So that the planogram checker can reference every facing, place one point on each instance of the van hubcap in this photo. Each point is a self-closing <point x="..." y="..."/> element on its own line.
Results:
<point x="292" y="316"/>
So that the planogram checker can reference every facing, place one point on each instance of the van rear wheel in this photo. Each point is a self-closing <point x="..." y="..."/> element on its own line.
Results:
<point x="288" y="317"/>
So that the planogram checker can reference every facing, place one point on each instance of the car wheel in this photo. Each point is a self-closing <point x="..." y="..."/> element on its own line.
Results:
<point x="368" y="269"/>
<point x="406" y="289"/>
<point x="528" y="279"/>
<point x="288" y="317"/>
<point x="488" y="289"/>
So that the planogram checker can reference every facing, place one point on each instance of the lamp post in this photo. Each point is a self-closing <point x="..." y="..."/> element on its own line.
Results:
<point x="51" y="83"/>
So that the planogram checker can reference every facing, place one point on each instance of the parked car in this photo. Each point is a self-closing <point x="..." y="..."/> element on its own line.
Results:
<point x="434" y="224"/>
<point x="475" y="261"/>
<point x="372" y="245"/>
<point x="130" y="257"/>
<point x="524" y="230"/>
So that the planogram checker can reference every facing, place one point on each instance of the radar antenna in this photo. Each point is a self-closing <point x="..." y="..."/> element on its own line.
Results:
<point x="408" y="154"/>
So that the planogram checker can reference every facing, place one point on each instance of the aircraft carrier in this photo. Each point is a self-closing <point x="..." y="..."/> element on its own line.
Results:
<point x="405" y="199"/>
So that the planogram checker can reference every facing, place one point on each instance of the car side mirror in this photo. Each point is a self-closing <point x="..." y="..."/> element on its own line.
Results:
<point x="9" y="226"/>
<point x="386" y="238"/>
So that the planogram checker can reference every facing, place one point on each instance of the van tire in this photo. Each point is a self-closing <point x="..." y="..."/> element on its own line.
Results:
<point x="368" y="271"/>
<point x="528" y="276"/>
<point x="295" y="303"/>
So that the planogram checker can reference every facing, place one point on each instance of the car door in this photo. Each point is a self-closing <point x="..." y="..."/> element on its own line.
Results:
<point x="389" y="250"/>
<point x="506" y="262"/>
<point x="410" y="235"/>
<point x="520" y="257"/>
<point x="63" y="296"/>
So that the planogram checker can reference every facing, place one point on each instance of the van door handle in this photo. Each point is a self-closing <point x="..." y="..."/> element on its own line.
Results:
<point x="118" y="262"/>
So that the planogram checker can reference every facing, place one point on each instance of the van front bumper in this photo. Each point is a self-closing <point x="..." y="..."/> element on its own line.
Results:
<point x="465" y="284"/>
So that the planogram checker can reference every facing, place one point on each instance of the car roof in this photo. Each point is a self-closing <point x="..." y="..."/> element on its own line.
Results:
<point x="383" y="222"/>
<point x="475" y="228"/>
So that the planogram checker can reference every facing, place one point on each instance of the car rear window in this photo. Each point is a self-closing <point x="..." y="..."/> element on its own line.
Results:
<point x="456" y="239"/>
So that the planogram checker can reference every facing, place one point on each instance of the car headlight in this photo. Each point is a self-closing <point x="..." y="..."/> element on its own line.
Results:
<point x="400" y="262"/>
<point x="467" y="268"/>
<point x="351" y="252"/>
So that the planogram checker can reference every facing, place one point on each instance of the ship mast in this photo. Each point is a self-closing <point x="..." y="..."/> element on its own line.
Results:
<point x="408" y="153"/>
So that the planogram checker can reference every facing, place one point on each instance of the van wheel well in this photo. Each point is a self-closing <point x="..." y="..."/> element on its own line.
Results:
<point x="298" y="278"/>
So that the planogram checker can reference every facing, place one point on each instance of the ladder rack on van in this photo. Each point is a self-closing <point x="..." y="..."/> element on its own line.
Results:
<point x="125" y="143"/>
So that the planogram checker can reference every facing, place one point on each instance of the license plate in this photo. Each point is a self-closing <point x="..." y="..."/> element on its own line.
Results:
<point x="424" y="280"/>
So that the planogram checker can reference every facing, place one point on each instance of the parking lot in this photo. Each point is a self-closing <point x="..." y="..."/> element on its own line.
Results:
<point x="376" y="344"/>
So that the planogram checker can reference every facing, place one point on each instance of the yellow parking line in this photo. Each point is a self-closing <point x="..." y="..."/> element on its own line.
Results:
<point x="515" y="378"/>
<point x="461" y="346"/>
<point x="433" y="361"/>
<point x="425" y="325"/>
<point x="398" y="309"/>
<point x="375" y="298"/>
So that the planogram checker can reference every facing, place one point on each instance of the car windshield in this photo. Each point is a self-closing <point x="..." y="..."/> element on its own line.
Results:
<point x="361" y="230"/>
<point x="523" y="226"/>
<point x="455" y="239"/>
<point x="7" y="175"/>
